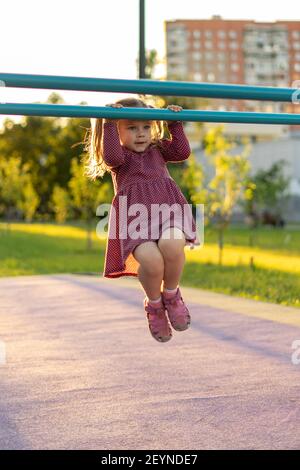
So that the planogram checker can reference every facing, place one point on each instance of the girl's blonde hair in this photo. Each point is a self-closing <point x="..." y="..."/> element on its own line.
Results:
<point x="95" y="166"/>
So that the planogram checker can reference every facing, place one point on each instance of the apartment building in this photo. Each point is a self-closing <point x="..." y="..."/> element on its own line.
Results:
<point x="250" y="53"/>
<point x="237" y="52"/>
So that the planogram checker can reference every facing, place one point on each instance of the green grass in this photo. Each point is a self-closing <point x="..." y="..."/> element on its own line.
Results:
<point x="274" y="277"/>
<point x="261" y="284"/>
<point x="48" y="248"/>
<point x="269" y="238"/>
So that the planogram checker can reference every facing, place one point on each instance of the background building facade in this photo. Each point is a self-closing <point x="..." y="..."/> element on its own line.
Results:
<point x="236" y="52"/>
<point x="250" y="53"/>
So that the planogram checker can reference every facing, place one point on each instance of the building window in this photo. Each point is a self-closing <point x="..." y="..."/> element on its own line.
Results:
<point x="197" y="44"/>
<point x="221" y="45"/>
<point x="282" y="66"/>
<point x="232" y="34"/>
<point x="197" y="77"/>
<point x="197" y="55"/>
<point x="233" y="45"/>
<point x="208" y="34"/>
<point x="208" y="44"/>
<point x="211" y="77"/>
<point x="197" y="34"/>
<point x="296" y="45"/>
<point x="296" y="34"/>
<point x="297" y="67"/>
<point x="221" y="34"/>
<point x="235" y="67"/>
<point x="208" y="56"/>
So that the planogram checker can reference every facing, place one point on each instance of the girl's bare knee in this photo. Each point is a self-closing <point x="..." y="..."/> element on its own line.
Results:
<point x="150" y="258"/>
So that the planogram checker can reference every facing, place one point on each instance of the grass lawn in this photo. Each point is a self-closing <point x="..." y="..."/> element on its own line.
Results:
<point x="274" y="277"/>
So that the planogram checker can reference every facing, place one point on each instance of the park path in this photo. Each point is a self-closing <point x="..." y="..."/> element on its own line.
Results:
<point x="83" y="372"/>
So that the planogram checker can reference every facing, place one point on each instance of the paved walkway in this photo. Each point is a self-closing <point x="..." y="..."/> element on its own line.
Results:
<point x="83" y="372"/>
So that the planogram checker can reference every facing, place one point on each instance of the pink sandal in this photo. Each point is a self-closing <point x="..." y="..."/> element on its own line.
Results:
<point x="178" y="312"/>
<point x="158" y="322"/>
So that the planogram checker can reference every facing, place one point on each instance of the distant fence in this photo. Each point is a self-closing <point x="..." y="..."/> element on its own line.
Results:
<point x="148" y="87"/>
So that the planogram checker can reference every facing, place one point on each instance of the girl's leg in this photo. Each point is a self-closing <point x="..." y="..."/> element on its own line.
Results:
<point x="150" y="273"/>
<point x="151" y="268"/>
<point x="171" y="245"/>
<point x="172" y="248"/>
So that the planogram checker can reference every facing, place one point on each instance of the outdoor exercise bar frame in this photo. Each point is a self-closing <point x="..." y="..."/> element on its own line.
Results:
<point x="150" y="87"/>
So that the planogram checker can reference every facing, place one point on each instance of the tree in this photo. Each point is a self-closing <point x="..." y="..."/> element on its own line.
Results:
<point x="29" y="200"/>
<point x="229" y="183"/>
<point x="86" y="195"/>
<point x="152" y="61"/>
<point x="60" y="204"/>
<point x="47" y="144"/>
<point x="270" y="190"/>
<point x="17" y="194"/>
<point x="193" y="178"/>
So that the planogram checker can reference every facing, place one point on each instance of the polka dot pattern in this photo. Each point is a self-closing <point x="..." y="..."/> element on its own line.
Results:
<point x="143" y="178"/>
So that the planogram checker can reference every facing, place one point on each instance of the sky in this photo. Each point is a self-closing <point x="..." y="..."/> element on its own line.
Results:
<point x="99" y="38"/>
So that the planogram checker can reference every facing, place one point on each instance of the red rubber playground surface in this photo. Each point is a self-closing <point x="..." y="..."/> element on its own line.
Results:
<point x="80" y="370"/>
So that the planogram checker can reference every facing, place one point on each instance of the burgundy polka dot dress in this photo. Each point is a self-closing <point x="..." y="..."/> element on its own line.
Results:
<point x="142" y="184"/>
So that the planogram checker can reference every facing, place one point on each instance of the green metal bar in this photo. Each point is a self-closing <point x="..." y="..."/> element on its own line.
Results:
<point x="145" y="113"/>
<point x="151" y="87"/>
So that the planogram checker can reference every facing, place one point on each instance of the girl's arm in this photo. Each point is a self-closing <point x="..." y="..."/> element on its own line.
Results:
<point x="113" y="154"/>
<point x="178" y="148"/>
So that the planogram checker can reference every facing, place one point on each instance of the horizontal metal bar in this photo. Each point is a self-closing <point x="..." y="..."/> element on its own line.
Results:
<point x="60" y="110"/>
<point x="151" y="87"/>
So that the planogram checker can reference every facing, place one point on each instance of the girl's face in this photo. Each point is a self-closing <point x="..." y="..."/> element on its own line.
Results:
<point x="135" y="135"/>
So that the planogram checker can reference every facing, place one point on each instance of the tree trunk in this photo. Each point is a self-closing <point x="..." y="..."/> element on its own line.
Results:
<point x="89" y="243"/>
<point x="8" y="220"/>
<point x="251" y="237"/>
<point x="220" y="243"/>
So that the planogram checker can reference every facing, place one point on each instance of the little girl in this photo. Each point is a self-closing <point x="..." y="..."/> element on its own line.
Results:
<point x="136" y="155"/>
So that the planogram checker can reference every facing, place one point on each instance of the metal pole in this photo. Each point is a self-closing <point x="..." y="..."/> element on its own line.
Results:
<point x="150" y="87"/>
<point x="60" y="110"/>
<point x="142" y="56"/>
